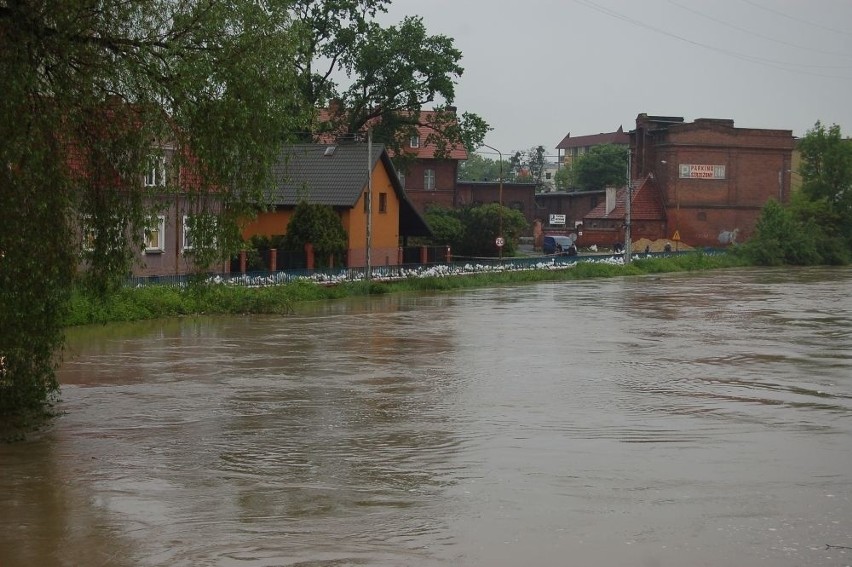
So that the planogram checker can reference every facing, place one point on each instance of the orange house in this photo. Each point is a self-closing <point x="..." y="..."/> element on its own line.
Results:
<point x="337" y="175"/>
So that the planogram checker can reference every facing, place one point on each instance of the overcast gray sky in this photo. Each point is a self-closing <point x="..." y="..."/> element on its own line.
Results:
<point x="536" y="70"/>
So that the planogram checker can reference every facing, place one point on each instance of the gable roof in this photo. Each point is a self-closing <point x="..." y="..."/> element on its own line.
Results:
<point x="617" y="137"/>
<point x="645" y="203"/>
<point x="323" y="174"/>
<point x="336" y="175"/>
<point x="427" y="150"/>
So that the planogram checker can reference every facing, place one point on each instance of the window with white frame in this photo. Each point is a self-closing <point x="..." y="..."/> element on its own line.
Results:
<point x="155" y="176"/>
<point x="429" y="180"/>
<point x="199" y="230"/>
<point x="155" y="235"/>
<point x="414" y="141"/>
<point x="187" y="233"/>
<point x="105" y="232"/>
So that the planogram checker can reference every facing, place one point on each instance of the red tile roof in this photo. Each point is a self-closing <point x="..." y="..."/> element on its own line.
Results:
<point x="425" y="151"/>
<point x="646" y="203"/>
<point x="617" y="137"/>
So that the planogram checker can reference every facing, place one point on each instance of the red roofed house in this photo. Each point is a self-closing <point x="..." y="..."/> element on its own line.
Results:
<point x="604" y="224"/>
<point x="429" y="179"/>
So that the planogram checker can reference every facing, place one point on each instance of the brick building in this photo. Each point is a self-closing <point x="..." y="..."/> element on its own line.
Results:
<point x="712" y="177"/>
<point x="709" y="179"/>
<point x="572" y="205"/>
<point x="429" y="178"/>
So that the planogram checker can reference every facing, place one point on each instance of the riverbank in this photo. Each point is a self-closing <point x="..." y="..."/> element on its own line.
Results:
<point x="153" y="302"/>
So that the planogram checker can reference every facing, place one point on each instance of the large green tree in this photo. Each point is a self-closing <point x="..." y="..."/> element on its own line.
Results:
<point x="390" y="74"/>
<point x="94" y="93"/>
<point x="478" y="168"/>
<point x="826" y="171"/>
<point x="601" y="166"/>
<point x="563" y="179"/>
<point x="816" y="228"/>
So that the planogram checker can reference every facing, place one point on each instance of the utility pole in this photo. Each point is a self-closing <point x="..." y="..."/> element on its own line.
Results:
<point x="627" y="237"/>
<point x="369" y="267"/>
<point x="500" y="240"/>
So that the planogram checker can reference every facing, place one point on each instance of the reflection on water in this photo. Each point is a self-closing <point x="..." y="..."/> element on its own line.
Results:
<point x="698" y="419"/>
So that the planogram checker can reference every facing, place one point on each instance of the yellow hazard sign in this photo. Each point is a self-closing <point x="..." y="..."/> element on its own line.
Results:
<point x="676" y="236"/>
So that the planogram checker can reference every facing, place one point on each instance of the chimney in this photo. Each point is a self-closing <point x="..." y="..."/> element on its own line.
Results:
<point x="610" y="199"/>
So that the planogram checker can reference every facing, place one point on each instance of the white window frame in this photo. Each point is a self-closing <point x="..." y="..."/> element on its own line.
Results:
<point x="160" y="245"/>
<point x="429" y="180"/>
<point x="156" y="174"/>
<point x="186" y="240"/>
<point x="414" y="141"/>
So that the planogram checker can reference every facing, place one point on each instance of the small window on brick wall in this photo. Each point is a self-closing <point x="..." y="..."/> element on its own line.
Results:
<point x="429" y="180"/>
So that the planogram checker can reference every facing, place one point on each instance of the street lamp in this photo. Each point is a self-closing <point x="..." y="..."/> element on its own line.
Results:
<point x="500" y="240"/>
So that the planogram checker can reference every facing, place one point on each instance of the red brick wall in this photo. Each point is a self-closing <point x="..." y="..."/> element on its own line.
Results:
<point x="574" y="206"/>
<point x="444" y="194"/>
<point x="755" y="164"/>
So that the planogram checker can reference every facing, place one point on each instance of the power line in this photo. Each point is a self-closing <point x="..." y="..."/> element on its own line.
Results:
<point x="756" y="34"/>
<point x="795" y="19"/>
<point x="782" y="65"/>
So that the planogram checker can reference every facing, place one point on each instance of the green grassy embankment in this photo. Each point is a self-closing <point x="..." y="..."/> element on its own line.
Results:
<point x="153" y="302"/>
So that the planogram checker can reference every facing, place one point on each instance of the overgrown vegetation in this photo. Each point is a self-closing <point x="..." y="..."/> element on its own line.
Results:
<point x="472" y="231"/>
<point x="816" y="227"/>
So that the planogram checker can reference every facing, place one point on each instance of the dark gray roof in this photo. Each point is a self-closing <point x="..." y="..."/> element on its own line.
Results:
<point x="336" y="175"/>
<point x="322" y="174"/>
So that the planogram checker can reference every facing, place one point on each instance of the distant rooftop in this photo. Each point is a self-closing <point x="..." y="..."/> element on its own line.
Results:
<point x="617" y="137"/>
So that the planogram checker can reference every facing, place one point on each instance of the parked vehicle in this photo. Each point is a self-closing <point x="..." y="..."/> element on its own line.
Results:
<point x="557" y="244"/>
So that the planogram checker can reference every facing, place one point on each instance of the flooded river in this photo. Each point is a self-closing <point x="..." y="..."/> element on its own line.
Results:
<point x="679" y="420"/>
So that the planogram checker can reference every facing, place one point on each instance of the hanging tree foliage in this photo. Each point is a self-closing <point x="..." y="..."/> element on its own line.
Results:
<point x="95" y="96"/>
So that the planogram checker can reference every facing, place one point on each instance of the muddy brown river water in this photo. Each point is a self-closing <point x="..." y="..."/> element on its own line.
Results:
<point x="679" y="420"/>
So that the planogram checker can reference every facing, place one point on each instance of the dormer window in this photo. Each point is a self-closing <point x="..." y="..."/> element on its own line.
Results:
<point x="414" y="142"/>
